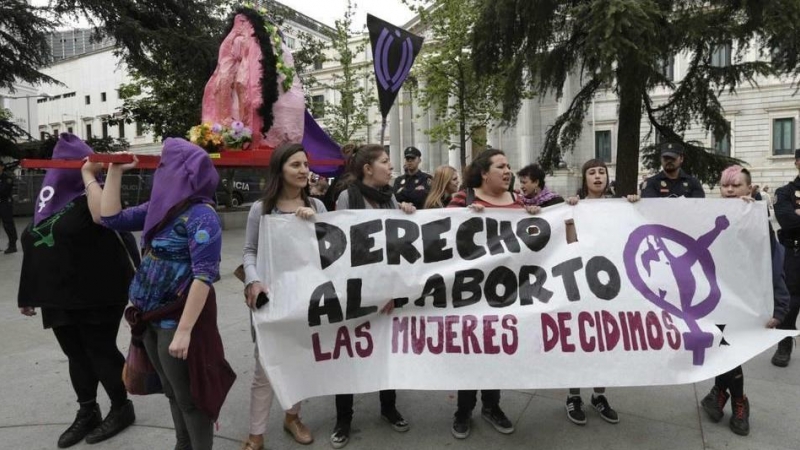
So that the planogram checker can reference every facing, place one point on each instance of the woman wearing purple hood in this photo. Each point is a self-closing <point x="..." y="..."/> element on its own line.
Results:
<point x="78" y="273"/>
<point x="174" y="307"/>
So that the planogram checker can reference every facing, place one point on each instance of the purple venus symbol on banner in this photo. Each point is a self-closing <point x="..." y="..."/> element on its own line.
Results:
<point x="392" y="81"/>
<point x="656" y="237"/>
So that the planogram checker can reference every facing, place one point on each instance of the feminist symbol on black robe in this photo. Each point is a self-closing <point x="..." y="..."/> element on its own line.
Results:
<point x="655" y="237"/>
<point x="45" y="196"/>
<point x="44" y="229"/>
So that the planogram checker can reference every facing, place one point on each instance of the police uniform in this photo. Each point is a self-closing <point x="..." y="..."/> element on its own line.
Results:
<point x="6" y="210"/>
<point x="413" y="188"/>
<point x="787" y="200"/>
<point x="659" y="185"/>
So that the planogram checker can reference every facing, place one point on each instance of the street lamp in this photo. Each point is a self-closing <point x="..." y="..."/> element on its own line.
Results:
<point x="28" y="107"/>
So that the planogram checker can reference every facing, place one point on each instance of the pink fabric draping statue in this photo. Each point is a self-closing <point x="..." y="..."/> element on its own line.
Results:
<point x="234" y="90"/>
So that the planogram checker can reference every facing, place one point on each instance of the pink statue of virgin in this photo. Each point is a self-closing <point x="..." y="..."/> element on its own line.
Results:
<point x="245" y="88"/>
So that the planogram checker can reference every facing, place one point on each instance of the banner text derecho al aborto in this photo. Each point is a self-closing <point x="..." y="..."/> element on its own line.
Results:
<point x="503" y="299"/>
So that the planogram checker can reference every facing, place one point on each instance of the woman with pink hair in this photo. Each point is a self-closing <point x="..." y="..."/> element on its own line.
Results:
<point x="735" y="182"/>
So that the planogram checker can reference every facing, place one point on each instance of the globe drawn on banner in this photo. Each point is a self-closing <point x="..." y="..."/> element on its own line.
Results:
<point x="656" y="237"/>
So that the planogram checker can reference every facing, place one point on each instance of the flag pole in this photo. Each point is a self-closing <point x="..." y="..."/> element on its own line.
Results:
<point x="383" y="130"/>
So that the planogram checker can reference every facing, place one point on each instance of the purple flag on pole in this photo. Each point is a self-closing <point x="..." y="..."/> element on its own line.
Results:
<point x="393" y="52"/>
<point x="320" y="147"/>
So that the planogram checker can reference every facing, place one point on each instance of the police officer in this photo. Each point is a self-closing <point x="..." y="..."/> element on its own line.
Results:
<point x="787" y="212"/>
<point x="413" y="186"/>
<point x="672" y="181"/>
<point x="6" y="209"/>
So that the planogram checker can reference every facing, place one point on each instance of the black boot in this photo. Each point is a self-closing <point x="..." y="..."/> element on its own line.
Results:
<point x="87" y="419"/>
<point x="12" y="248"/>
<point x="740" y="420"/>
<point x="784" y="352"/>
<point x="117" y="420"/>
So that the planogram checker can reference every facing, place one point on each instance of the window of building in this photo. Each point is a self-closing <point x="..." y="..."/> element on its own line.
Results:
<point x="55" y="131"/>
<point x="318" y="106"/>
<point x="105" y="130"/>
<point x="722" y="143"/>
<point x="290" y="42"/>
<point x="721" y="55"/>
<point x="318" y="64"/>
<point x="602" y="145"/>
<point x="70" y="94"/>
<point x="88" y="131"/>
<point x="667" y="68"/>
<point x="88" y="100"/>
<point x="783" y="136"/>
<point x="42" y="135"/>
<point x="121" y="127"/>
<point x="69" y="130"/>
<point x="102" y="96"/>
<point x="139" y="129"/>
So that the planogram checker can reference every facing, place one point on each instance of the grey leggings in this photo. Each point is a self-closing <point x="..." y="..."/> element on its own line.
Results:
<point x="193" y="428"/>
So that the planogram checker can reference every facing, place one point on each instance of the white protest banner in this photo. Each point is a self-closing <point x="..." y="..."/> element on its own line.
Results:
<point x="657" y="292"/>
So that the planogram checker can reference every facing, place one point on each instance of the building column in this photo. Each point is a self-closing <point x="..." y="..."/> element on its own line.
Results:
<point x="434" y="148"/>
<point x="408" y="119"/>
<point x="524" y="133"/>
<point x="453" y="152"/>
<point x="395" y="148"/>
<point x="421" y="139"/>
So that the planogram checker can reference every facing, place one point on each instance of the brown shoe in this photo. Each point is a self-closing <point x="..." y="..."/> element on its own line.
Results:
<point x="250" y="445"/>
<point x="295" y="427"/>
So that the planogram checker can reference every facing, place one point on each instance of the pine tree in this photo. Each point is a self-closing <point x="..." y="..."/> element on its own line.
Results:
<point x="621" y="45"/>
<point x="23" y="52"/>
<point x="170" y="48"/>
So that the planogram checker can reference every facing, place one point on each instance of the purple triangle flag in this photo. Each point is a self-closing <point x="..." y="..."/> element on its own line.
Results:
<point x="393" y="52"/>
<point x="320" y="146"/>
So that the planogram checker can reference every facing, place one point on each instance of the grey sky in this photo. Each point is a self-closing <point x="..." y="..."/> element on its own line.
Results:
<point x="327" y="11"/>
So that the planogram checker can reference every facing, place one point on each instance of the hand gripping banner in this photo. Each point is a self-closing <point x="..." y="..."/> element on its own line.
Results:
<point x="663" y="291"/>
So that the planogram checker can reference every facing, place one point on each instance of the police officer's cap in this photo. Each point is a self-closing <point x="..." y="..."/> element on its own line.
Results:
<point x="412" y="152"/>
<point x="797" y="154"/>
<point x="671" y="149"/>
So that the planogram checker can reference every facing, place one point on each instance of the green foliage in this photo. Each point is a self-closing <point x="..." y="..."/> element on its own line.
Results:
<point x="37" y="149"/>
<point x="23" y="51"/>
<point x="354" y="86"/>
<point x="620" y="45"/>
<point x="312" y="51"/>
<point x="23" y="43"/>
<point x="107" y="144"/>
<point x="464" y="104"/>
<point x="170" y="48"/>
<point x="309" y="56"/>
<point x="10" y="134"/>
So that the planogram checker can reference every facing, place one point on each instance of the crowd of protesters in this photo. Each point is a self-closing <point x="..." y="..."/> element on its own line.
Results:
<point x="170" y="287"/>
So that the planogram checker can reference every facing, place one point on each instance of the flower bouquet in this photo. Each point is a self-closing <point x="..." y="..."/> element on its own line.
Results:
<point x="216" y="137"/>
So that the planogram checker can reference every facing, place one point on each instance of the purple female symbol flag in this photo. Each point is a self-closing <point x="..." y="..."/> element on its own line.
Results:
<point x="393" y="52"/>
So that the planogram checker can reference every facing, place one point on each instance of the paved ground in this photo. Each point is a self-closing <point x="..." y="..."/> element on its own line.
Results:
<point x="37" y="403"/>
